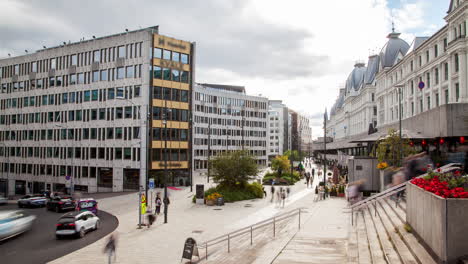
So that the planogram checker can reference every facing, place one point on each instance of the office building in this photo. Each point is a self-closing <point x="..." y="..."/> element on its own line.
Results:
<point x="278" y="128"/>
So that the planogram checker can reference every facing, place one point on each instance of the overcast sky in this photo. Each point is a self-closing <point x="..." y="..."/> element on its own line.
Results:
<point x="296" y="51"/>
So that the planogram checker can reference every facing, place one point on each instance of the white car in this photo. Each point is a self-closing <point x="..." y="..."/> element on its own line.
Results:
<point x="76" y="224"/>
<point x="3" y="200"/>
<point x="14" y="222"/>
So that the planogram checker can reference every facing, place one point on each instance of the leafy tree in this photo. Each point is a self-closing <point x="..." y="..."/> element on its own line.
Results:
<point x="391" y="148"/>
<point x="280" y="164"/>
<point x="234" y="169"/>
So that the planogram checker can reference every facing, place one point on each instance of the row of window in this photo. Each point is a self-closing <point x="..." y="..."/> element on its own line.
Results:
<point x="173" y="114"/>
<point x="169" y="74"/>
<point x="170" y="55"/>
<point x="230" y="132"/>
<point x="111" y="74"/>
<point x="228" y="122"/>
<point x="110" y="54"/>
<point x="203" y="164"/>
<point x="50" y="170"/>
<point x="171" y="94"/>
<point x="84" y="153"/>
<point x="221" y="100"/>
<point x="215" y="152"/>
<point x="229" y="142"/>
<point x="127" y="92"/>
<point x="85" y="115"/>
<point x="171" y="134"/>
<point x="77" y="134"/>
<point x="229" y="111"/>
<point x="170" y="154"/>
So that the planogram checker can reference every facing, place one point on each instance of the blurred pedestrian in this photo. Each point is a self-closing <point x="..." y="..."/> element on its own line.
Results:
<point x="166" y="202"/>
<point x="397" y="179"/>
<point x="151" y="219"/>
<point x="307" y="180"/>
<point x="272" y="193"/>
<point x="158" y="203"/>
<point x="288" y="191"/>
<point x="110" y="247"/>
<point x="283" y="197"/>
<point x="264" y="192"/>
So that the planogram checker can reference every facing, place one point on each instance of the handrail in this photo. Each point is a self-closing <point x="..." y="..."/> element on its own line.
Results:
<point x="242" y="231"/>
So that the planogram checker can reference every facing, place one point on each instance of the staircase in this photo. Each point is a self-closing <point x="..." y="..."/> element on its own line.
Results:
<point x="379" y="236"/>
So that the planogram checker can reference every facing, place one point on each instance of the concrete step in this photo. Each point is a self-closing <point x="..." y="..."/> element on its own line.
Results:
<point x="352" y="247"/>
<point x="403" y="251"/>
<point x="377" y="254"/>
<point x="364" y="256"/>
<point x="413" y="244"/>
<point x="389" y="250"/>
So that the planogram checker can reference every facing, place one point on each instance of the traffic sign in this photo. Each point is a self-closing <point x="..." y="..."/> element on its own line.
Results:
<point x="421" y="85"/>
<point x="151" y="183"/>
<point x="67" y="177"/>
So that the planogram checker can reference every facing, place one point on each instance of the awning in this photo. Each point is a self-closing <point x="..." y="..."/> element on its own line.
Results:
<point x="381" y="135"/>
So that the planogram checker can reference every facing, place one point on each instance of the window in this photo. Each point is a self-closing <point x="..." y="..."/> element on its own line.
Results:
<point x="436" y="51"/>
<point x="120" y="92"/>
<point x="420" y="105"/>
<point x="95" y="76"/>
<point x="184" y="77"/>
<point x="118" y="153"/>
<point x="166" y="93"/>
<point x="184" y="58"/>
<point x="129" y="72"/>
<point x="128" y="112"/>
<point x="39" y="83"/>
<point x="167" y="74"/>
<point x="118" y="133"/>
<point x="446" y="96"/>
<point x="175" y="75"/>
<point x="437" y="99"/>
<point x="110" y="93"/>
<point x="118" y="112"/>
<point x="33" y="66"/>
<point x="457" y="92"/>
<point x="127" y="153"/>
<point x="96" y="56"/>
<point x="446" y="71"/>
<point x="74" y="59"/>
<point x="87" y="96"/>
<point x="120" y="72"/>
<point x="175" y="56"/>
<point x="136" y="91"/>
<point x="72" y="79"/>
<point x="412" y="108"/>
<point x="184" y="96"/>
<point x="102" y="113"/>
<point x="157" y="53"/>
<point x="427" y="56"/>
<point x="167" y="54"/>
<point x="457" y="64"/>
<point x="110" y="133"/>
<point x="53" y="63"/>
<point x="80" y="78"/>
<point x="420" y="61"/>
<point x="94" y="95"/>
<point x="428" y="102"/>
<point x="93" y="133"/>
<point x="58" y="81"/>
<point x="157" y="72"/>
<point x="64" y="98"/>
<point x="436" y="72"/>
<point x="93" y="114"/>
<point x="121" y="52"/>
<point x="104" y="75"/>
<point x="51" y="81"/>
<point x="428" y="79"/>
<point x="411" y="66"/>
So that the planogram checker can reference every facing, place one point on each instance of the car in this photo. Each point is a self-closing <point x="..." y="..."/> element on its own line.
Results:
<point x="76" y="223"/>
<point x="59" y="204"/>
<point x="3" y="200"/>
<point x="35" y="200"/>
<point x="14" y="222"/>
<point x="87" y="204"/>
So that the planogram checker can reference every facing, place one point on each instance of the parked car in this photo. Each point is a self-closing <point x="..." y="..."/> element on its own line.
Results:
<point x="14" y="222"/>
<point x="87" y="204"/>
<point x="35" y="200"/>
<point x="76" y="224"/>
<point x="59" y="204"/>
<point x="3" y="200"/>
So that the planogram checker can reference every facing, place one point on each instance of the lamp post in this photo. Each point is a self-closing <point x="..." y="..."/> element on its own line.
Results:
<point x="400" y="95"/>
<point x="325" y="147"/>
<point x="165" y="161"/>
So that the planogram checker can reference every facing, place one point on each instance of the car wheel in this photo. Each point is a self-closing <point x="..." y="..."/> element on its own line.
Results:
<point x="82" y="232"/>
<point x="57" y="210"/>
<point x="97" y="225"/>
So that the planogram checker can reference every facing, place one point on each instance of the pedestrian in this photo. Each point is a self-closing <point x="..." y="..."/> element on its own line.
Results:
<point x="313" y="172"/>
<point x="272" y="193"/>
<point x="307" y="180"/>
<point x="166" y="204"/>
<point x="288" y="191"/>
<point x="264" y="192"/>
<point x="278" y="196"/>
<point x="158" y="204"/>
<point x="283" y="197"/>
<point x="151" y="219"/>
<point x="110" y="247"/>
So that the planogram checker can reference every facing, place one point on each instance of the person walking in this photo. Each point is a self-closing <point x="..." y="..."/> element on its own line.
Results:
<point x="158" y="204"/>
<point x="110" y="247"/>
<point x="151" y="219"/>
<point x="307" y="179"/>
<point x="272" y="193"/>
<point x="313" y="172"/>
<point x="166" y="202"/>
<point x="283" y="197"/>
<point x="288" y="191"/>
<point x="264" y="192"/>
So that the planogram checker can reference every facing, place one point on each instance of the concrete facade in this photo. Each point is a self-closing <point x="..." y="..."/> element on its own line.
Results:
<point x="278" y="128"/>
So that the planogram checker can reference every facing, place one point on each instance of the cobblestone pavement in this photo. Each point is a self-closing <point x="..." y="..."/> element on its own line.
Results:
<point x="163" y="243"/>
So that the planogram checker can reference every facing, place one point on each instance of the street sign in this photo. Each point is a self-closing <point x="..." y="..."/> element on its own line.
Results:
<point x="151" y="183"/>
<point x="67" y="177"/>
<point x="190" y="249"/>
<point x="421" y="85"/>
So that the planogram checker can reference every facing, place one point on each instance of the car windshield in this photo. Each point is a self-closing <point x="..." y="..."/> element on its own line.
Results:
<point x="87" y="204"/>
<point x="66" y="220"/>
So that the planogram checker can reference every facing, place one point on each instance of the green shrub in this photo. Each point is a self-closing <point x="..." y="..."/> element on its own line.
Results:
<point x="234" y="194"/>
<point x="256" y="188"/>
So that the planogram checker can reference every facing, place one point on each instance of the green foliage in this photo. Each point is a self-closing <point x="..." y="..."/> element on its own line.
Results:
<point x="294" y="155"/>
<point x="280" y="164"/>
<point x="233" y="194"/>
<point x="233" y="169"/>
<point x="255" y="188"/>
<point x="392" y="148"/>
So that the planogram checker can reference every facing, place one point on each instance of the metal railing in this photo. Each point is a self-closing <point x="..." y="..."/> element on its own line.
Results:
<point x="393" y="190"/>
<point x="250" y="229"/>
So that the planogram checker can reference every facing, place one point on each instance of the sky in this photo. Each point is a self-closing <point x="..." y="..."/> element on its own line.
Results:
<point x="298" y="51"/>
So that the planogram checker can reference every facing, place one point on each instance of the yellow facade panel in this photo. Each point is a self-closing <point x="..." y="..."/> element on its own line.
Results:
<point x="171" y="84"/>
<point x="171" y="165"/>
<point x="171" y="124"/>
<point x="169" y="43"/>
<point x="170" y="104"/>
<point x="157" y="144"/>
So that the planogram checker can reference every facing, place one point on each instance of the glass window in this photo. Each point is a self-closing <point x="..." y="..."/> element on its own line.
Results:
<point x="87" y="96"/>
<point x="118" y="153"/>
<point x="118" y="112"/>
<point x="51" y="81"/>
<point x="118" y="133"/>
<point x="102" y="113"/>
<point x="33" y="66"/>
<point x="72" y="97"/>
<point x="95" y="76"/>
<point x="74" y="59"/>
<point x="166" y="93"/>
<point x="58" y="81"/>
<point x="93" y="133"/>
<point x="157" y="113"/>
<point x="136" y="91"/>
<point x="72" y="79"/>
<point x="175" y="75"/>
<point x="94" y="95"/>
<point x="120" y="73"/>
<point x="184" y="95"/>
<point x="184" y="58"/>
<point x="79" y="115"/>
<point x="127" y="153"/>
<point x="167" y="54"/>
<point x="184" y="77"/>
<point x="44" y="99"/>
<point x="97" y="56"/>
<point x="183" y="134"/>
<point x="157" y="92"/>
<point x="175" y="56"/>
<point x="120" y="92"/>
<point x="93" y="114"/>
<point x="53" y="63"/>
<point x="104" y="75"/>
<point x="80" y="78"/>
<point x="157" y="72"/>
<point x="457" y="64"/>
<point x="64" y="98"/>
<point x="166" y="74"/>
<point x="129" y="72"/>
<point x="39" y="83"/>
<point x="110" y="93"/>
<point x="183" y="155"/>
<point x="175" y="94"/>
<point x="128" y="112"/>
<point x="157" y="53"/>
<point x="121" y="52"/>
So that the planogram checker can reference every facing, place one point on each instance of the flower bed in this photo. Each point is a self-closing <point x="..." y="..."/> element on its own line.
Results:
<point x="449" y="185"/>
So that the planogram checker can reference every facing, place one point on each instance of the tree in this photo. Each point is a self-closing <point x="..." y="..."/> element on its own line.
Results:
<point x="391" y="148"/>
<point x="280" y="164"/>
<point x="234" y="168"/>
<point x="294" y="155"/>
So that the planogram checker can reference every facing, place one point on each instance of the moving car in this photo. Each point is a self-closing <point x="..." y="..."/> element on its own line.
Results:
<point x="87" y="204"/>
<point x="59" y="204"/>
<point x="35" y="200"/>
<point x="76" y="224"/>
<point x="14" y="222"/>
<point x="3" y="200"/>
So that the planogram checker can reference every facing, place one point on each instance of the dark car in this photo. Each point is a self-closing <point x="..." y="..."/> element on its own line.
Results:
<point x="59" y="204"/>
<point x="32" y="200"/>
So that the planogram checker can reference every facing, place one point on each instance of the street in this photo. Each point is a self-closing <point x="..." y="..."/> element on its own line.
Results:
<point x="39" y="245"/>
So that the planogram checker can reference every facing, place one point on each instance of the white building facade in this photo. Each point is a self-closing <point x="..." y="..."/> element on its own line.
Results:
<point x="227" y="119"/>
<point x="278" y="128"/>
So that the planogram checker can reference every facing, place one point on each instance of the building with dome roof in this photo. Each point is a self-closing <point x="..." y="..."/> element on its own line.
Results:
<point x="369" y="101"/>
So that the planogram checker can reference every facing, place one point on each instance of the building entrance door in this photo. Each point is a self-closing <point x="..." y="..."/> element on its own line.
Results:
<point x="20" y="187"/>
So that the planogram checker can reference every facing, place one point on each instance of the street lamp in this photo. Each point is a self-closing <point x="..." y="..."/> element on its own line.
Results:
<point x="400" y="95"/>
<point x="165" y="161"/>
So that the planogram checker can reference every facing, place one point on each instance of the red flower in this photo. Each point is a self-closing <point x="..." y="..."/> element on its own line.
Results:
<point x="439" y="170"/>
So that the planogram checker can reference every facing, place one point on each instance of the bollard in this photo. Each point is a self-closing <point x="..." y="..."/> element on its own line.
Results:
<point x="251" y="235"/>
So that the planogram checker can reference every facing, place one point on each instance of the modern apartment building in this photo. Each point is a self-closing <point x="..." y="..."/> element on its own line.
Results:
<point x="225" y="118"/>
<point x="301" y="132"/>
<point x="85" y="114"/>
<point x="278" y="128"/>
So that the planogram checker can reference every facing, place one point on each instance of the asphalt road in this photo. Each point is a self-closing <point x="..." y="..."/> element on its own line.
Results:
<point x="39" y="245"/>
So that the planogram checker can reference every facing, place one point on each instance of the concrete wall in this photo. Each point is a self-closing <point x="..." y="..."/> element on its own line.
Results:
<point x="440" y="223"/>
<point x="368" y="172"/>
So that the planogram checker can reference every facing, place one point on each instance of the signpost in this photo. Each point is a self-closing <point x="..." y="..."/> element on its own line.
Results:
<point x="190" y="249"/>
<point x="421" y="85"/>
<point x="151" y="187"/>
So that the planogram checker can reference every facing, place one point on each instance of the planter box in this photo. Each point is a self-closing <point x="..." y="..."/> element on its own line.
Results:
<point x="440" y="223"/>
<point x="210" y="202"/>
